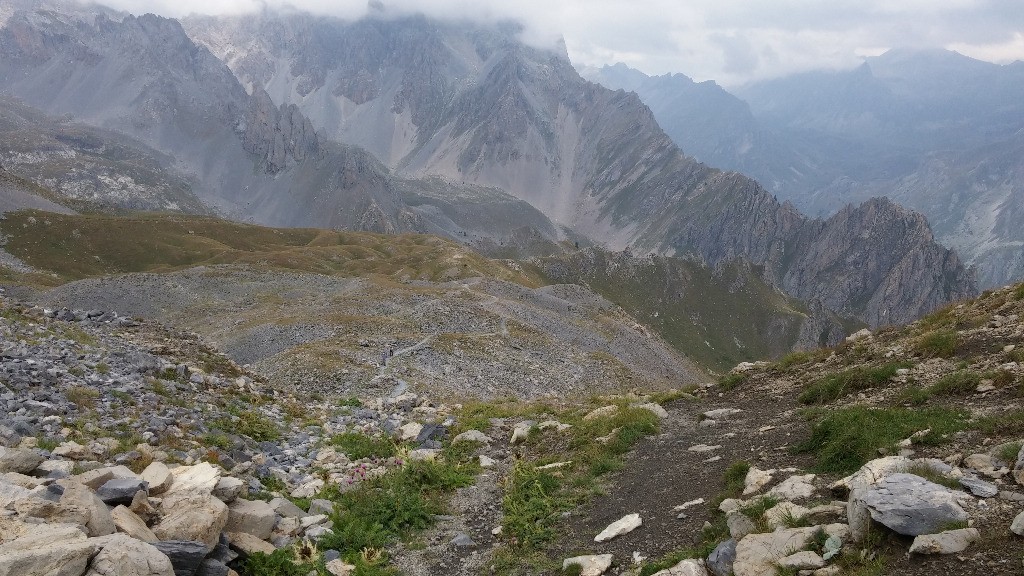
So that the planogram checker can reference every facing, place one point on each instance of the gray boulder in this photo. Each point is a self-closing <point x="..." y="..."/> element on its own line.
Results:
<point x="121" y="490"/>
<point x="911" y="505"/>
<point x="721" y="558"/>
<point x="185" y="556"/>
<point x="18" y="460"/>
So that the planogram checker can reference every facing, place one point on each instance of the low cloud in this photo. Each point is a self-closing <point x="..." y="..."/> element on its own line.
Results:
<point x="731" y="41"/>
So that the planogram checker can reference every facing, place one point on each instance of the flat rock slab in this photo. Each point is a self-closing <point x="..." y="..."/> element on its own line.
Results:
<point x="689" y="567"/>
<point x="248" y="544"/>
<point x="979" y="487"/>
<point x="593" y="565"/>
<point x="472" y="436"/>
<point x="196" y="519"/>
<point x="624" y="525"/>
<point x="653" y="408"/>
<point x="794" y="488"/>
<point x="129" y="523"/>
<point x="759" y="554"/>
<point x="949" y="542"/>
<point x="47" y="550"/>
<point x="159" y="477"/>
<point x="254" y="517"/>
<point x="199" y="479"/>
<point x="912" y="506"/>
<point x="803" y="560"/>
<point x="722" y="413"/>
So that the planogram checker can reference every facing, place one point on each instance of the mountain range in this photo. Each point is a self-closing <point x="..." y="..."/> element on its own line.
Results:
<point x="932" y="130"/>
<point x="411" y="124"/>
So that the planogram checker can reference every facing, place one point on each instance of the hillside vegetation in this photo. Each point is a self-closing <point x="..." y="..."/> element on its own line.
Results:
<point x="84" y="246"/>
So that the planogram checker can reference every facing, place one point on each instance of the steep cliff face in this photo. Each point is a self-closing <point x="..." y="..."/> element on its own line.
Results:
<point x="275" y="135"/>
<point x="876" y="261"/>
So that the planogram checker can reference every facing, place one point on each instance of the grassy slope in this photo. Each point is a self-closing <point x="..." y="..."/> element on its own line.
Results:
<point x="77" y="247"/>
<point x="716" y="319"/>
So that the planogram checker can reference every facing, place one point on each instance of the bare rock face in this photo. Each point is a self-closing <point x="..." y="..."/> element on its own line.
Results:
<point x="878" y="262"/>
<point x="275" y="135"/>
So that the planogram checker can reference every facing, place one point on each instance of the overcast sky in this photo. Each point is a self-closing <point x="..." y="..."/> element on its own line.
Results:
<point x="730" y="41"/>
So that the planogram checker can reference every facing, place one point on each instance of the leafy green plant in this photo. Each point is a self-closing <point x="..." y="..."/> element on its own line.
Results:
<point x="532" y="502"/>
<point x="279" y="563"/>
<point x="383" y="509"/>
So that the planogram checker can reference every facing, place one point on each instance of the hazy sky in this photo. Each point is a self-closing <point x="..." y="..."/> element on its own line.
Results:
<point x="730" y="41"/>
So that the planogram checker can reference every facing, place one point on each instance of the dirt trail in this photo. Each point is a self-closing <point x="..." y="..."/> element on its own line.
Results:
<point x="662" y="472"/>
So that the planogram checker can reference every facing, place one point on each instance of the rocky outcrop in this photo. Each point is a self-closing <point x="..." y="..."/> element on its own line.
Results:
<point x="877" y="262"/>
<point x="277" y="136"/>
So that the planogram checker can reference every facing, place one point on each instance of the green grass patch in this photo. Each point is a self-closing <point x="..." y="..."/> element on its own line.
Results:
<point x="841" y="384"/>
<point x="83" y="396"/>
<point x="731" y="381"/>
<point x="252" y="424"/>
<point x="535" y="499"/>
<point x="958" y="383"/>
<point x="735" y="478"/>
<point x="1009" y="423"/>
<point x="1008" y="452"/>
<point x="914" y="395"/>
<point x="357" y="446"/>
<point x="842" y="440"/>
<point x="796" y="359"/>
<point x="81" y="246"/>
<point x="938" y="344"/>
<point x="930" y="474"/>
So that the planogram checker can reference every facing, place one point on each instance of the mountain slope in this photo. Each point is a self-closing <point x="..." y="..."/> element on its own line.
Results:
<point x="897" y="126"/>
<point x="316" y="308"/>
<point x="471" y="103"/>
<point x="717" y="317"/>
